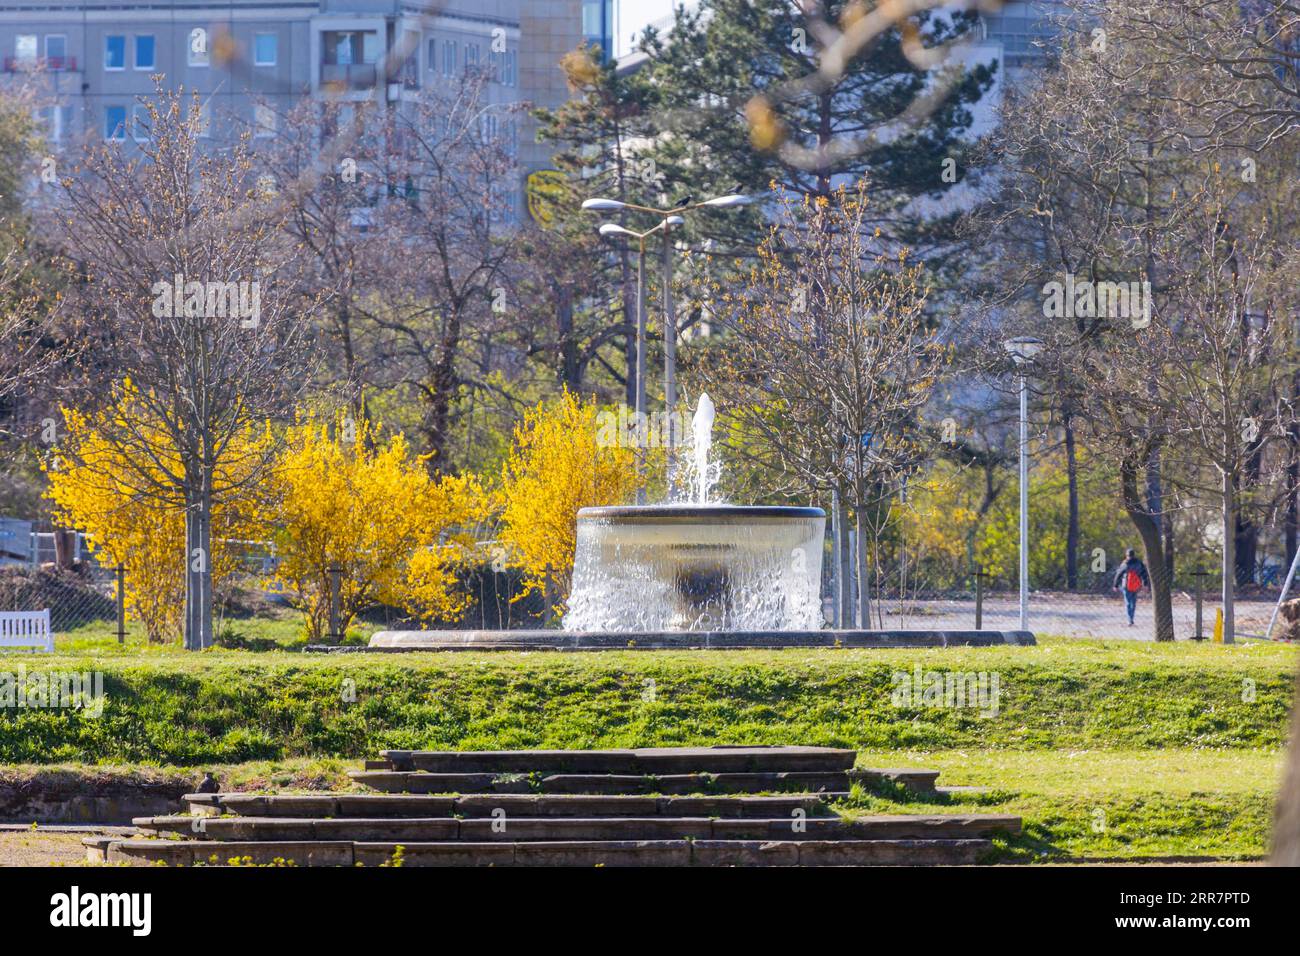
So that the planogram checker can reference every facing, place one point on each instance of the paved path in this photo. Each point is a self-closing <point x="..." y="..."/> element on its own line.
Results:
<point x="1075" y="616"/>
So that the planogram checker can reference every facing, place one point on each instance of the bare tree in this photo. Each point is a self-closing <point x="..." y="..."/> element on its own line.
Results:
<point x="451" y="236"/>
<point x="1100" y="160"/>
<point x="1231" y="356"/>
<point x="329" y="208"/>
<point x="830" y="360"/>
<point x="29" y="342"/>
<point x="178" y="254"/>
<point x="1251" y="46"/>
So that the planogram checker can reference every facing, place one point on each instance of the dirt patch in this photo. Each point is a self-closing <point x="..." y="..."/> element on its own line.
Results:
<point x="41" y="848"/>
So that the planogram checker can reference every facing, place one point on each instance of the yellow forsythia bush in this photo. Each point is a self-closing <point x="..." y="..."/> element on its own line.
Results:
<point x="340" y="496"/>
<point x="127" y="518"/>
<point x="558" y="465"/>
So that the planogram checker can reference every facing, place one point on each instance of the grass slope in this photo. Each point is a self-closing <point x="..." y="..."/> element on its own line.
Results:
<point x="231" y="706"/>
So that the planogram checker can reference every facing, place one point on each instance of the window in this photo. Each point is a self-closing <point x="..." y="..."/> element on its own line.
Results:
<point x="431" y="61"/>
<point x="350" y="48"/>
<point x="115" y="52"/>
<point x="597" y="21"/>
<point x="144" y="52"/>
<point x="265" y="49"/>
<point x="512" y="68"/>
<point x="115" y="123"/>
<point x="25" y="48"/>
<point x="140" y="123"/>
<point x="448" y="57"/>
<point x="503" y="67"/>
<point x="264" y="120"/>
<point x="198" y="47"/>
<point x="56" y="51"/>
<point x="471" y="55"/>
<point x="58" y="122"/>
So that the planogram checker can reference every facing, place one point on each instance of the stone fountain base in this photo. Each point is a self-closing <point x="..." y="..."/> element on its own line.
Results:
<point x="548" y="640"/>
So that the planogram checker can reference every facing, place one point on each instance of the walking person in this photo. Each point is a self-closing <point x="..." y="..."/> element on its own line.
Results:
<point x="1131" y="576"/>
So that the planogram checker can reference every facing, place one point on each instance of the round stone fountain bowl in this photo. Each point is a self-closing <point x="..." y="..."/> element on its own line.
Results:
<point x="650" y="568"/>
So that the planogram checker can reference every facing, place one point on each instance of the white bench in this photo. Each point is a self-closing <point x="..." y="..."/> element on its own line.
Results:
<point x="29" y="629"/>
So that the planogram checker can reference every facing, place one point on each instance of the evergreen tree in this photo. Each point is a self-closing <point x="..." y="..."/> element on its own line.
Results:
<point x="596" y="134"/>
<point x="747" y="97"/>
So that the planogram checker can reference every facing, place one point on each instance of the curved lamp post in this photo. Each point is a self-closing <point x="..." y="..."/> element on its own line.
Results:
<point x="668" y="218"/>
<point x="1022" y="351"/>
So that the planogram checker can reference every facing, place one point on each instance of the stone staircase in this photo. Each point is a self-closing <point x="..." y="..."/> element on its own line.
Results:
<point x="699" y="806"/>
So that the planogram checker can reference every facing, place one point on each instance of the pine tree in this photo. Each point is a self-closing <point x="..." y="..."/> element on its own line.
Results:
<point x="744" y="105"/>
<point x="596" y="134"/>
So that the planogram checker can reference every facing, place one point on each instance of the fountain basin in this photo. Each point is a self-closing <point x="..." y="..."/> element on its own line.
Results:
<point x="657" y="568"/>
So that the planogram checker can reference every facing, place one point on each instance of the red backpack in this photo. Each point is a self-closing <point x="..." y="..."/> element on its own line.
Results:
<point x="1132" y="580"/>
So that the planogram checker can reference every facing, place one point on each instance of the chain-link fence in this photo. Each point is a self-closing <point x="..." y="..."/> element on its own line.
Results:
<point x="60" y="571"/>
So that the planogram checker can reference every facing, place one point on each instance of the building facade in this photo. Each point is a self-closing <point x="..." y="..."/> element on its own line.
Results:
<point x="251" y="60"/>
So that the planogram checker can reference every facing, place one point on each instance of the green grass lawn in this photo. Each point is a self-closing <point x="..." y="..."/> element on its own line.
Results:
<point x="1106" y="749"/>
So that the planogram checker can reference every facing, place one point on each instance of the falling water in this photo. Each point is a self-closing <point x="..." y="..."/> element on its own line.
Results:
<point x="694" y="566"/>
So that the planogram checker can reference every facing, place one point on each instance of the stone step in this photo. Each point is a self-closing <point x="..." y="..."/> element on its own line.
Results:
<point x="808" y="852"/>
<point x="484" y="805"/>
<point x="735" y="783"/>
<point x="643" y="761"/>
<point x="505" y="828"/>
<point x="921" y="781"/>
<point x="417" y="782"/>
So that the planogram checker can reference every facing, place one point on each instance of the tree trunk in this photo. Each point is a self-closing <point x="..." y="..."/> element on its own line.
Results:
<point x="1148" y="529"/>
<point x="1229" y="562"/>
<point x="1156" y="501"/>
<point x="837" y="562"/>
<point x="198" y="573"/>
<point x="1072" y="479"/>
<point x="846" y="571"/>
<point x="442" y="391"/>
<point x="65" y="543"/>
<point x="570" y="368"/>
<point x="1246" y="547"/>
<point x="864" y="583"/>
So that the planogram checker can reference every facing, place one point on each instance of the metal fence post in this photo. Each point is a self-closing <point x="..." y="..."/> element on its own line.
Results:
<point x="335" y="579"/>
<point x="121" y="603"/>
<point x="548" y="597"/>
<point x="1200" y="581"/>
<point x="979" y="598"/>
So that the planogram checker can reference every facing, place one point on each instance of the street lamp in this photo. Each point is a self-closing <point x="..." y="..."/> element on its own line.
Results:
<point x="1023" y="350"/>
<point x="609" y="230"/>
<point x="668" y="218"/>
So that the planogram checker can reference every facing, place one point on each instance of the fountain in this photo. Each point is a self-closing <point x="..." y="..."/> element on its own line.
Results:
<point x="693" y="573"/>
<point x="697" y="566"/>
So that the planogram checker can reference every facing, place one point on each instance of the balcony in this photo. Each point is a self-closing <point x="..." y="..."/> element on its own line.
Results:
<point x="45" y="64"/>
<point x="354" y="76"/>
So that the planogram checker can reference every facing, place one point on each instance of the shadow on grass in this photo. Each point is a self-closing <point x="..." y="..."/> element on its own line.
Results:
<point x="1033" y="844"/>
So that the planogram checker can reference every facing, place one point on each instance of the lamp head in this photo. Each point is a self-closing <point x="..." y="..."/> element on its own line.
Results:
<point x="1023" y="348"/>
<point x="731" y="199"/>
<point x="602" y="204"/>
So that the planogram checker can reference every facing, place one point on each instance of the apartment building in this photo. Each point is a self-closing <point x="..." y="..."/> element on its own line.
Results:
<point x="250" y="60"/>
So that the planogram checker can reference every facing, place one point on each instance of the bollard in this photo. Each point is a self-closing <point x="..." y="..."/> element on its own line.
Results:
<point x="979" y="599"/>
